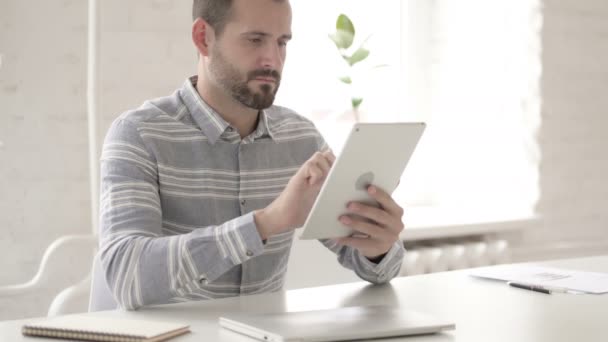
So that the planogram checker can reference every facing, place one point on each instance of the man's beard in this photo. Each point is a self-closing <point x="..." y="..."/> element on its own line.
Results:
<point x="230" y="79"/>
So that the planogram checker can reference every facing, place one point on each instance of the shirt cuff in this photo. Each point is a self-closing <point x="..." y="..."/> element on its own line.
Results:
<point x="393" y="256"/>
<point x="238" y="240"/>
<point x="241" y="238"/>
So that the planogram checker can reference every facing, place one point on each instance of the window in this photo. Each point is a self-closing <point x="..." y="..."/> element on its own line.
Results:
<point x="314" y="65"/>
<point x="470" y="69"/>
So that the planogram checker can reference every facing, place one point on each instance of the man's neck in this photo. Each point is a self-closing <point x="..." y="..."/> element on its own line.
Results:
<point x="242" y="118"/>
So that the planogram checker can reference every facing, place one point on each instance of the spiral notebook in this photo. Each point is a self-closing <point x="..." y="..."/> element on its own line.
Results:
<point x="90" y="328"/>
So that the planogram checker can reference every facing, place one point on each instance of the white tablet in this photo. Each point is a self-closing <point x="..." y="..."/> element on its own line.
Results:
<point x="374" y="154"/>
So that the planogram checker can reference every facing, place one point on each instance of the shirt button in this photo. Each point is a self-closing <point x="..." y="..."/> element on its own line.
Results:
<point x="243" y="202"/>
<point x="203" y="280"/>
<point x="229" y="129"/>
<point x="249" y="253"/>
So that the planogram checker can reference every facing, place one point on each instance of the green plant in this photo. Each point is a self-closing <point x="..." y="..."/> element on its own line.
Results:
<point x="343" y="38"/>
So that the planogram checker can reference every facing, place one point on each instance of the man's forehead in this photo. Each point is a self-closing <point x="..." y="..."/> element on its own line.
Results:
<point x="269" y="17"/>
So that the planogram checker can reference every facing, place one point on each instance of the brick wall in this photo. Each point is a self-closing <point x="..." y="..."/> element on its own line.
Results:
<point x="43" y="160"/>
<point x="573" y="136"/>
<point x="144" y="52"/>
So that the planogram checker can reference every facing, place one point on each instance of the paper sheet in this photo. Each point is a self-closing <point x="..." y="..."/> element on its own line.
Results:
<point x="588" y="282"/>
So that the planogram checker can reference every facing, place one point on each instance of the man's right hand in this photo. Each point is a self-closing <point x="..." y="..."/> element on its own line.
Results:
<point x="290" y="209"/>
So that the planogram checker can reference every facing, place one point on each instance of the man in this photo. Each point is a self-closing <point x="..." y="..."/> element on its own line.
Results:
<point x="202" y="190"/>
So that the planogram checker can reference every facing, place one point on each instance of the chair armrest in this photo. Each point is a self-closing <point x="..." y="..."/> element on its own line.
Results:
<point x="45" y="271"/>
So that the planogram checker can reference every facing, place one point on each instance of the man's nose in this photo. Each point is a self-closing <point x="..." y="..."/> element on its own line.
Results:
<point x="272" y="58"/>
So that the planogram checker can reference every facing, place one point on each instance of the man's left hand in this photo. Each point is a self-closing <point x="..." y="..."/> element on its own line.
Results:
<point x="377" y="229"/>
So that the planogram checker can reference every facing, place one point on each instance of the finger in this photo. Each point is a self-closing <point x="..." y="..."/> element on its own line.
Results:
<point x="385" y="200"/>
<point x="315" y="174"/>
<point x="378" y="215"/>
<point x="323" y="163"/>
<point x="320" y="159"/>
<point x="366" y="228"/>
<point x="329" y="155"/>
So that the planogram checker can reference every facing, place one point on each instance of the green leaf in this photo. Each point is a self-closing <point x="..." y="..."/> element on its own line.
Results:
<point x="343" y="23"/>
<point x="342" y="39"/>
<point x="345" y="32"/>
<point x="356" y="101"/>
<point x="346" y="79"/>
<point x="358" y="56"/>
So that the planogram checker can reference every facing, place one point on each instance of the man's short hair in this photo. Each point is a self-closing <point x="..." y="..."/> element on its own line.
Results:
<point x="214" y="12"/>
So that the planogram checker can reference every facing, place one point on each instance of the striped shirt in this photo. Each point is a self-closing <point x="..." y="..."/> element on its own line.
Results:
<point x="178" y="187"/>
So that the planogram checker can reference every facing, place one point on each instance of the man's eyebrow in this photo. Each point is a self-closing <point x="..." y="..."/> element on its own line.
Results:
<point x="255" y="33"/>
<point x="265" y="34"/>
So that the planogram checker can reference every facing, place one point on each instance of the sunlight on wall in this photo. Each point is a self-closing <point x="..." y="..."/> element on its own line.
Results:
<point x="484" y="107"/>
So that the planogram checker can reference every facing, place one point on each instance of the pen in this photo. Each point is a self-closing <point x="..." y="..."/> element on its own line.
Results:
<point x="530" y="287"/>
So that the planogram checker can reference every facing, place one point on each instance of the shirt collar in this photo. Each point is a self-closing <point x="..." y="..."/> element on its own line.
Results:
<point x="210" y="122"/>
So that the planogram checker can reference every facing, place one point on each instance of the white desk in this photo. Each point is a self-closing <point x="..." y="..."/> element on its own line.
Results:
<point x="483" y="310"/>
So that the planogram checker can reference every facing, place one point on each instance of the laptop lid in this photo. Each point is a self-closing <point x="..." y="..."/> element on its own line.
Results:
<point x="341" y="324"/>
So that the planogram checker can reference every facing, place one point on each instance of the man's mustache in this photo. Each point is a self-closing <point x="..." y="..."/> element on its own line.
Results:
<point x="265" y="73"/>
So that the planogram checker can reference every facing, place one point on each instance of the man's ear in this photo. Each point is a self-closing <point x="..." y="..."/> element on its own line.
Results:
<point x="202" y="33"/>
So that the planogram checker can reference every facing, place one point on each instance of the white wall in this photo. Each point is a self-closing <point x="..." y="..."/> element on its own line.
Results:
<point x="573" y="136"/>
<point x="43" y="168"/>
<point x="146" y="52"/>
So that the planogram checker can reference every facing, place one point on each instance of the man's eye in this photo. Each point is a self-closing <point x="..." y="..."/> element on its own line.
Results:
<point x="255" y="40"/>
<point x="282" y="43"/>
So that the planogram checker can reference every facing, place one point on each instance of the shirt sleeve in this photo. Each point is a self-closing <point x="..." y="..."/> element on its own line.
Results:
<point x="140" y="265"/>
<point x="382" y="272"/>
